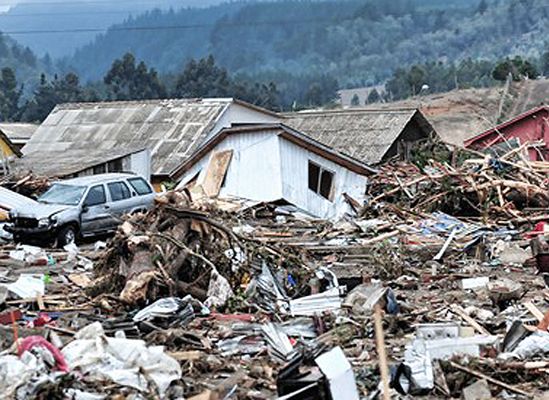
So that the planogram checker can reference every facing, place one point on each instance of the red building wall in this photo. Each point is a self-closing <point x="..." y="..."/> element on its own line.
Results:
<point x="530" y="128"/>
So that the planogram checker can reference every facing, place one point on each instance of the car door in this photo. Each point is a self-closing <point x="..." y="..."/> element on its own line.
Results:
<point x="120" y="199"/>
<point x="143" y="193"/>
<point x="95" y="216"/>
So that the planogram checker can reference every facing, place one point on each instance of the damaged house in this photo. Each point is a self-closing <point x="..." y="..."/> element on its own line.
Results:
<point x="530" y="129"/>
<point x="118" y="136"/>
<point x="275" y="163"/>
<point x="371" y="136"/>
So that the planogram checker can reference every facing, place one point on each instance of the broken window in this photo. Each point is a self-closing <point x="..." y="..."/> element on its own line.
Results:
<point x="320" y="180"/>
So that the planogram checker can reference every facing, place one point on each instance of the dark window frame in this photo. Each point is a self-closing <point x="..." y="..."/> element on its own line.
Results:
<point x="320" y="180"/>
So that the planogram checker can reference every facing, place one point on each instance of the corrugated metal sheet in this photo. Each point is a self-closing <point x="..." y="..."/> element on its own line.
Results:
<point x="363" y="134"/>
<point x="171" y="129"/>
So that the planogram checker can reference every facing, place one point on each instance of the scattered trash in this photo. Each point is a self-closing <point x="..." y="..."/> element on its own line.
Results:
<point x="187" y="296"/>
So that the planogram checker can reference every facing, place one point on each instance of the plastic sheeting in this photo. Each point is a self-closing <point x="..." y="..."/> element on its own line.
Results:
<point x="127" y="362"/>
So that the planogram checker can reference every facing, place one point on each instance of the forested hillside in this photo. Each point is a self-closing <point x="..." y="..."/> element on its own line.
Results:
<point x="62" y="26"/>
<point x="355" y="42"/>
<point x="22" y="60"/>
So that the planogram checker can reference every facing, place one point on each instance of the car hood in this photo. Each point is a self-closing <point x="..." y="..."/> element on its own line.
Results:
<point x="41" y="210"/>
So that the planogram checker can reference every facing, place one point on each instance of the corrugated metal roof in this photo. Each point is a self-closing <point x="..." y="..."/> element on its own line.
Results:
<point x="171" y="129"/>
<point x="363" y="134"/>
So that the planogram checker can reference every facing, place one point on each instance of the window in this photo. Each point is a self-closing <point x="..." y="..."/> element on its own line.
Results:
<point x="115" y="166"/>
<point x="140" y="186"/>
<point x="100" y="169"/>
<point x="59" y="193"/>
<point x="95" y="196"/>
<point x="320" y="180"/>
<point x="119" y="191"/>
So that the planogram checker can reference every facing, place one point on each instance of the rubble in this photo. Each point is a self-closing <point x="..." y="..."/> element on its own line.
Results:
<point x="435" y="288"/>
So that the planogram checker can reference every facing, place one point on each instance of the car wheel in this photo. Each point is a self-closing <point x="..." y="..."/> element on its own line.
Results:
<point x="66" y="236"/>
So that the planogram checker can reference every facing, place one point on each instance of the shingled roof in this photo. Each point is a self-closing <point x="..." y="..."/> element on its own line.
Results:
<point x="170" y="129"/>
<point x="363" y="134"/>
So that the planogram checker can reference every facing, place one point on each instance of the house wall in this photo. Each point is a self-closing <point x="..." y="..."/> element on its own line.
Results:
<point x="238" y="114"/>
<point x="266" y="167"/>
<point x="295" y="182"/>
<point x="138" y="163"/>
<point x="5" y="149"/>
<point x="254" y="170"/>
<point x="529" y="129"/>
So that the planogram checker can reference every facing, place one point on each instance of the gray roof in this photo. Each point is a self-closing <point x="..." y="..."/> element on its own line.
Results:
<point x="55" y="164"/>
<point x="284" y="131"/>
<point x="171" y="129"/>
<point x="363" y="134"/>
<point x="18" y="132"/>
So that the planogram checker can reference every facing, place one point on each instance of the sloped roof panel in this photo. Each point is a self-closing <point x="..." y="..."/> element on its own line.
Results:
<point x="363" y="134"/>
<point x="171" y="129"/>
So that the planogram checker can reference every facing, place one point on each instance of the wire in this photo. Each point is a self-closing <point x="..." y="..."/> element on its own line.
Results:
<point x="6" y="15"/>
<point x="161" y="28"/>
<point x="78" y="3"/>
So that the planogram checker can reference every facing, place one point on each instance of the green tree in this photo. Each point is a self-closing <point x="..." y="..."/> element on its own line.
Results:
<point x="10" y="95"/>
<point x="482" y="7"/>
<point x="58" y="91"/>
<point x="517" y="67"/>
<point x="355" y="101"/>
<point x="416" y="79"/>
<point x="126" y="81"/>
<point x="545" y="63"/>
<point x="373" y="96"/>
<point x="203" y="78"/>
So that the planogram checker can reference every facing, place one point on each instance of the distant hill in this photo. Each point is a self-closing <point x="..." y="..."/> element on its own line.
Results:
<point x="461" y="114"/>
<point x="77" y="22"/>
<point x="26" y="65"/>
<point x="358" y="42"/>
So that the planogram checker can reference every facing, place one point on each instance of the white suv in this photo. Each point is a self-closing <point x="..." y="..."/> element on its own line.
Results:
<point x="81" y="207"/>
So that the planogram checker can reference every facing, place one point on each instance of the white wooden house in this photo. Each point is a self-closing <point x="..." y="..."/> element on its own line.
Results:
<point x="272" y="162"/>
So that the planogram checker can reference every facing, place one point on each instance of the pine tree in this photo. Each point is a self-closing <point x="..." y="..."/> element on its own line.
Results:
<point x="10" y="95"/>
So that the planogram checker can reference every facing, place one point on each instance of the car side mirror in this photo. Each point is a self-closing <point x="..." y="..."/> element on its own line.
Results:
<point x="85" y="208"/>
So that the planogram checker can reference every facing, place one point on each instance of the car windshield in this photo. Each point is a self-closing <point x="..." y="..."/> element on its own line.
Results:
<point x="69" y="195"/>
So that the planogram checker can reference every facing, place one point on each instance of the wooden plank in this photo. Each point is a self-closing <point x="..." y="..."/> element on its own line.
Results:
<point x="461" y="312"/>
<point x="491" y="380"/>
<point x="534" y="311"/>
<point x="217" y="169"/>
<point x="382" y="355"/>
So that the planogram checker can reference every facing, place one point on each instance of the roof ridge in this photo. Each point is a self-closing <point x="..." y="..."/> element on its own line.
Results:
<point x="197" y="100"/>
<point x="351" y="111"/>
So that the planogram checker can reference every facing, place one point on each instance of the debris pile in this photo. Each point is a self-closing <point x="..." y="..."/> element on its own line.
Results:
<point x="498" y="191"/>
<point x="438" y="288"/>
